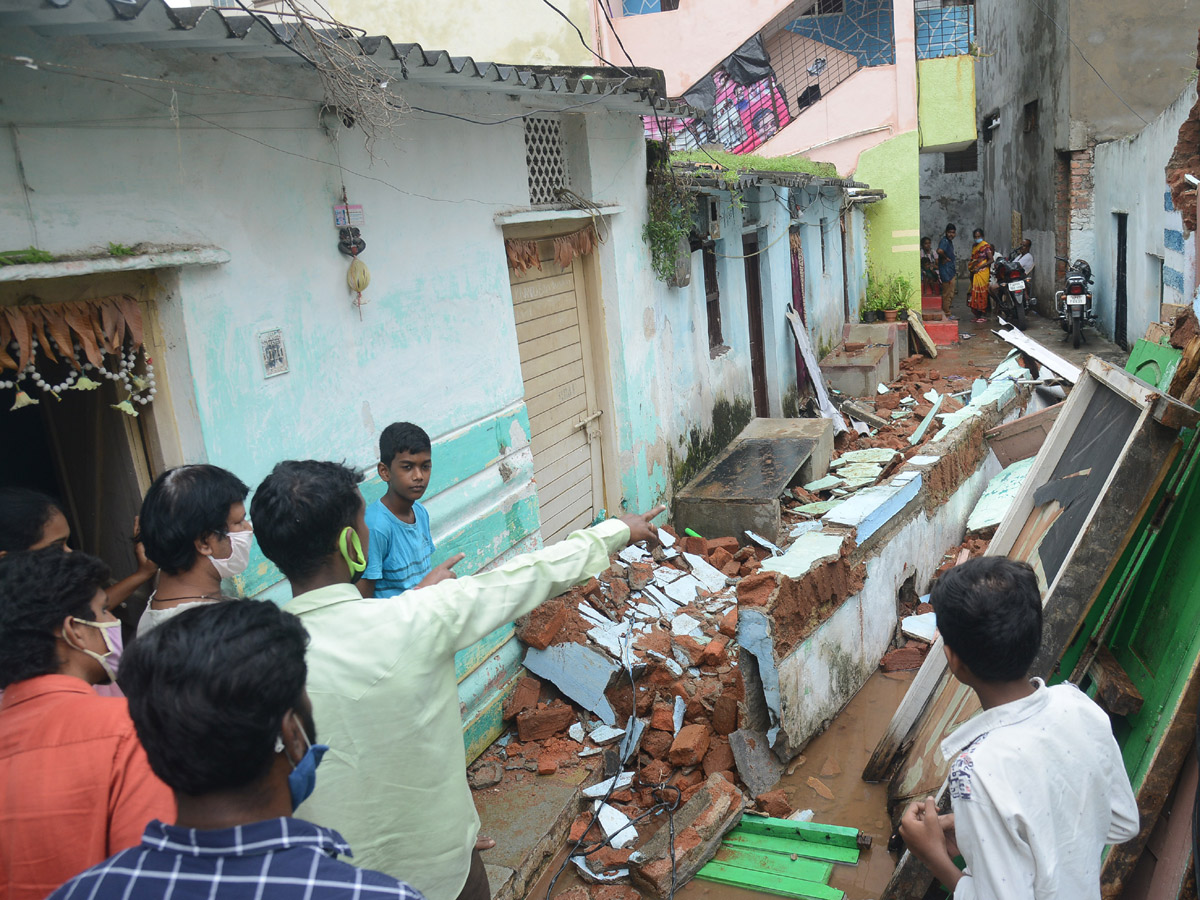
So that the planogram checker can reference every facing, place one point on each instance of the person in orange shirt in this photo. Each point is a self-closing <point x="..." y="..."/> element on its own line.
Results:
<point x="78" y="787"/>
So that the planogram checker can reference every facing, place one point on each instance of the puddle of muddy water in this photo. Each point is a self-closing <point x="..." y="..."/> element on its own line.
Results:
<point x="848" y="742"/>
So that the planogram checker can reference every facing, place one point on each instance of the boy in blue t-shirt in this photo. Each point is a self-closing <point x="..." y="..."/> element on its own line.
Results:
<point x="400" y="550"/>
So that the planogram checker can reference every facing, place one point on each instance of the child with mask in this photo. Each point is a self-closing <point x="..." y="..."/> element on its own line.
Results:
<point x="30" y="520"/>
<point x="193" y="525"/>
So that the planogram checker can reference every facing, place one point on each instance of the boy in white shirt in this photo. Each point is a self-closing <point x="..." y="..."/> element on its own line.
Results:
<point x="1037" y="786"/>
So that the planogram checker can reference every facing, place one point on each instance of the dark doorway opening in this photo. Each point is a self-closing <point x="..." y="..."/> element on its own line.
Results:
<point x="758" y="359"/>
<point x="1122" y="298"/>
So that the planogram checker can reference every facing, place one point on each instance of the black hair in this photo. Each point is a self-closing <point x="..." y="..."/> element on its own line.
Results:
<point x="23" y="516"/>
<point x="186" y="505"/>
<point x="300" y="509"/>
<point x="38" y="589"/>
<point x="402" y="437"/>
<point x="989" y="612"/>
<point x="951" y="227"/>
<point x="979" y="231"/>
<point x="208" y="690"/>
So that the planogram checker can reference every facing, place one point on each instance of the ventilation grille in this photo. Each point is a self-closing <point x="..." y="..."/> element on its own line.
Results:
<point x="545" y="159"/>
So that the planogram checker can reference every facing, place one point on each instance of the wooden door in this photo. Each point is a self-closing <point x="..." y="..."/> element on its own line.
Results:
<point x="553" y="338"/>
<point x="1122" y="298"/>
<point x="758" y="361"/>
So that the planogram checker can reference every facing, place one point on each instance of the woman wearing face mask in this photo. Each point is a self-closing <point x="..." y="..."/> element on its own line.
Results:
<point x="981" y="270"/>
<point x="30" y="520"/>
<point x="193" y="524"/>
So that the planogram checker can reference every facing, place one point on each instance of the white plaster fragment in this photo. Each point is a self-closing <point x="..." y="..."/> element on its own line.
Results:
<point x="633" y="553"/>
<point x="683" y="624"/>
<point x="575" y="733"/>
<point x="608" y="638"/>
<point x="678" y="712"/>
<point x="668" y="606"/>
<point x="605" y="734"/>
<point x="711" y="578"/>
<point x="665" y="539"/>
<point x="600" y="788"/>
<point x="615" y="825"/>
<point x="804" y="528"/>
<point x="922" y="627"/>
<point x="683" y="590"/>
<point x="923" y="460"/>
<point x="664" y="575"/>
<point x="763" y="542"/>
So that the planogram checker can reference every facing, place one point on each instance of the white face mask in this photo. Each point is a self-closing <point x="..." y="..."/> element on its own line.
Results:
<point x="106" y="660"/>
<point x="239" y="557"/>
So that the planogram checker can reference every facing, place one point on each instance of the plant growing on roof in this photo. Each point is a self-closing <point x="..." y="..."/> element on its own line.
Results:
<point x="668" y="220"/>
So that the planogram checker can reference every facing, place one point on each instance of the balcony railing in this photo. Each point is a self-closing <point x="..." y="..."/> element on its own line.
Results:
<point x="944" y="30"/>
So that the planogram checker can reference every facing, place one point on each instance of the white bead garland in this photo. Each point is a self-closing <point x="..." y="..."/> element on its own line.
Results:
<point x="139" y="388"/>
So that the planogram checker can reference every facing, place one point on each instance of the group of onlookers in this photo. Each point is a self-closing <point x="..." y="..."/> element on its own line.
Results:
<point x="939" y="270"/>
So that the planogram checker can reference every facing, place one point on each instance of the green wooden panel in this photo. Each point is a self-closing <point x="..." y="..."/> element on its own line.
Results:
<point x="768" y="883"/>
<point x="776" y="863"/>
<point x="470" y="658"/>
<point x="1153" y="363"/>
<point x="814" y="832"/>
<point x="486" y="723"/>
<point x="789" y="845"/>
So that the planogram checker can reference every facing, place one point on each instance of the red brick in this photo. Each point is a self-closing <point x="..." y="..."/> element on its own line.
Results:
<point x="728" y="544"/>
<point x="657" y="743"/>
<point x="524" y="697"/>
<point x="591" y="588"/>
<point x="698" y="546"/>
<point x="757" y="589"/>
<point x="618" y="590"/>
<point x="542" y="626"/>
<point x="732" y="569"/>
<point x="720" y="558"/>
<point x="692" y="647"/>
<point x="692" y="778"/>
<point x="744" y="554"/>
<point x="713" y="653"/>
<point x="614" y="892"/>
<point x="640" y="575"/>
<point x="625" y="796"/>
<point x="750" y="566"/>
<point x="656" y="639"/>
<point x="902" y="660"/>
<point x="539" y="724"/>
<point x="690" y="745"/>
<point x="580" y="825"/>
<point x="609" y="858"/>
<point x="576" y="891"/>
<point x="728" y="624"/>
<point x="775" y="803"/>
<point x="662" y="717"/>
<point x="725" y="714"/>
<point x="719" y="756"/>
<point x="655" y="772"/>
<point x="547" y="764"/>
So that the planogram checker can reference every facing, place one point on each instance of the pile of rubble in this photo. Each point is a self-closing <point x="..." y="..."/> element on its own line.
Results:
<point x="640" y="668"/>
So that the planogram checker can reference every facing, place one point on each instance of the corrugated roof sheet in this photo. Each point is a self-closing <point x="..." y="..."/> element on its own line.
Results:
<point x="154" y="24"/>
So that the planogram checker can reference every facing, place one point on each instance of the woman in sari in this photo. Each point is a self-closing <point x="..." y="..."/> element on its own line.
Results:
<point x="980" y="268"/>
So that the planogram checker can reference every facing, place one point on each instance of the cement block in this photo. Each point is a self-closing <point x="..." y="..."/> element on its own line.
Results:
<point x="872" y="508"/>
<point x="739" y="491"/>
<point x="856" y="374"/>
<point x="756" y="764"/>
<point x="892" y="334"/>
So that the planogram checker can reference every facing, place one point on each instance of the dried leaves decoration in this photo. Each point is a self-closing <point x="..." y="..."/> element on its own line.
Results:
<point x="100" y="326"/>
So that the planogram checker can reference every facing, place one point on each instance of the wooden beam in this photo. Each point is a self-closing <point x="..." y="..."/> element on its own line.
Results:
<point x="1114" y="691"/>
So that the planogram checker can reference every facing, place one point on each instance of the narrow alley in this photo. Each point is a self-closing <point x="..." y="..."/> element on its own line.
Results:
<point x="646" y="449"/>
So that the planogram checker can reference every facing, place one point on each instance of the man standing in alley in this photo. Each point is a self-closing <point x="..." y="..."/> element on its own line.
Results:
<point x="947" y="269"/>
<point x="381" y="671"/>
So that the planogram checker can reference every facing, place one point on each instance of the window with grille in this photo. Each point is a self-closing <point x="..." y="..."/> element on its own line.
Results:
<point x="1031" y="116"/>
<point x="962" y="160"/>
<point x="826" y="8"/>
<point x="712" y="297"/>
<point x="545" y="159"/>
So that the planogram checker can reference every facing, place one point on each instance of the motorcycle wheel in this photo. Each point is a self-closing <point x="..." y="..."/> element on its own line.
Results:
<point x="1020" y="307"/>
<point x="1076" y="333"/>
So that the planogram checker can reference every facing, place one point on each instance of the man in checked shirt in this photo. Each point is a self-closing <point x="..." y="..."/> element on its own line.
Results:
<point x="218" y="700"/>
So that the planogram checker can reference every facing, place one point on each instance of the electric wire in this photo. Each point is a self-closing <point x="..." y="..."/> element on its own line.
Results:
<point x="583" y="40"/>
<point x="1083" y="56"/>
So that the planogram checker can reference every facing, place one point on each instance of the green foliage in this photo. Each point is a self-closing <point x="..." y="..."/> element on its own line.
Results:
<point x="25" y="257"/>
<point x="119" y="250"/>
<point x="668" y="222"/>
<point x="891" y="291"/>
<point x="746" y="163"/>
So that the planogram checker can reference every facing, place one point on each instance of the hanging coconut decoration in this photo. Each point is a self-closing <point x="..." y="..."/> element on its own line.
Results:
<point x="358" y="277"/>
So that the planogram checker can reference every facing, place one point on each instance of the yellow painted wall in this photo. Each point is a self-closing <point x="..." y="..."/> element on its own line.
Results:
<point x="893" y="224"/>
<point x="946" y="111"/>
<point x="512" y="31"/>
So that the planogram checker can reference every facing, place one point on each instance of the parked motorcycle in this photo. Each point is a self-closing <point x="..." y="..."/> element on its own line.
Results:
<point x="1014" y="290"/>
<point x="1074" y="302"/>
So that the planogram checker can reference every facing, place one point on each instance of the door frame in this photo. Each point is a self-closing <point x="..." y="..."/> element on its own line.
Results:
<point x="759" y="386"/>
<point x="606" y="481"/>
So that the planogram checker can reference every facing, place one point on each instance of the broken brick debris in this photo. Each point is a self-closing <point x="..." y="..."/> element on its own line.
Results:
<point x="524" y="696"/>
<point x="690" y="745"/>
<point x="775" y="803"/>
<point x="542" y="626"/>
<point x="544" y="721"/>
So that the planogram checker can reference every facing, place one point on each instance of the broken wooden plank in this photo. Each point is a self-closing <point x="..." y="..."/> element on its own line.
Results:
<point x="1114" y="691"/>
<point x="809" y="849"/>
<point x="1022" y="438"/>
<point x="858" y="411"/>
<point x="828" y="410"/>
<point x="1047" y="358"/>
<point x="918" y="330"/>
<point x="813" y="832"/>
<point x="787" y="865"/>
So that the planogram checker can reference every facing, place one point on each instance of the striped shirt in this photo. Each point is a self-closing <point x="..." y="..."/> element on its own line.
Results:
<point x="270" y="860"/>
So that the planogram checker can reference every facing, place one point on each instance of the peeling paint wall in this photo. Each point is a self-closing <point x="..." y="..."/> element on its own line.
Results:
<point x="1130" y="178"/>
<point x="946" y="102"/>
<point x="949" y="197"/>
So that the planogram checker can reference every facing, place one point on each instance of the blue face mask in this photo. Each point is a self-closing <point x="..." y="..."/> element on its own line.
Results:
<point x="302" y="780"/>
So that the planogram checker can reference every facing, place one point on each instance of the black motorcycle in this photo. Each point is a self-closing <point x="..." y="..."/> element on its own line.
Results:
<point x="1014" y="289"/>
<point x="1074" y="302"/>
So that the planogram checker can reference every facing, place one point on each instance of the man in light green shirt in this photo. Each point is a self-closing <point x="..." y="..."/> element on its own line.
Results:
<point x="381" y="672"/>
